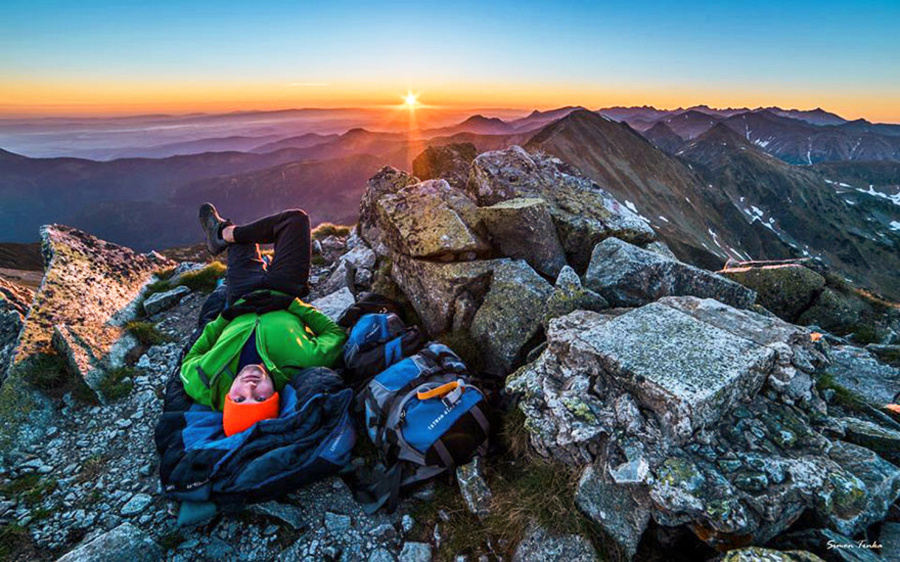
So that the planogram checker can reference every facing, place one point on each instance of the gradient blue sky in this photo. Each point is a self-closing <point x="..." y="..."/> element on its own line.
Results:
<point x="186" y="55"/>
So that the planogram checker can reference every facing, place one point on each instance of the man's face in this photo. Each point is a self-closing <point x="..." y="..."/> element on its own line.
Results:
<point x="251" y="385"/>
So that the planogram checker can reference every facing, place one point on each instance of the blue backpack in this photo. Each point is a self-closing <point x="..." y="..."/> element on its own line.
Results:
<point x="425" y="416"/>
<point x="376" y="342"/>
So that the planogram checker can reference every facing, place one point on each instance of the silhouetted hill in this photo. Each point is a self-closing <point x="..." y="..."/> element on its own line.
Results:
<point x="817" y="116"/>
<point x="38" y="191"/>
<point x="690" y="124"/>
<point x="302" y="141"/>
<point x="664" y="138"/>
<point x="798" y="142"/>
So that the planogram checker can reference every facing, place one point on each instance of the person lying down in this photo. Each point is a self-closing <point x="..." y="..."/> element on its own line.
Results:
<point x="253" y="411"/>
<point x="247" y="355"/>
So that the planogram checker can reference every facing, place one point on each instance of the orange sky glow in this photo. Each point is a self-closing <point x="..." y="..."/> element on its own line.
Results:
<point x="105" y="97"/>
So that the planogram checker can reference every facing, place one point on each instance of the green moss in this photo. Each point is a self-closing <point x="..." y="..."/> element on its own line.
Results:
<point x="849" y="495"/>
<point x="146" y="333"/>
<point x="842" y="395"/>
<point x="12" y="539"/>
<point x="171" y="540"/>
<point x="117" y="383"/>
<point x="864" y="333"/>
<point x="580" y="409"/>
<point x="326" y="229"/>
<point x="41" y="513"/>
<point x="681" y="473"/>
<point x="317" y="260"/>
<point x="30" y="488"/>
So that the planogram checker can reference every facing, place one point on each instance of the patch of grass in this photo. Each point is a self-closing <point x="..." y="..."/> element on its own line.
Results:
<point x="41" y="513"/>
<point x="171" y="540"/>
<point x="889" y="356"/>
<point x="326" y="229"/>
<point x="117" y="383"/>
<point x="842" y="395"/>
<point x="166" y="273"/>
<point x="30" y="488"/>
<point x="537" y="490"/>
<point x="460" y="531"/>
<point x="92" y="468"/>
<point x="865" y="333"/>
<point x="146" y="333"/>
<point x="526" y="488"/>
<point x="317" y="260"/>
<point x="49" y="373"/>
<point x="203" y="280"/>
<point x="466" y="347"/>
<point x="13" y="539"/>
<point x="46" y="371"/>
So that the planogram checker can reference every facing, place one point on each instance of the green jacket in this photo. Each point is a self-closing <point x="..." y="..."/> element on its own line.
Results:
<point x="287" y="340"/>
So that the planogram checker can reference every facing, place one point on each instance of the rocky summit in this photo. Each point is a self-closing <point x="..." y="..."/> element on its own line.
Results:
<point x="646" y="409"/>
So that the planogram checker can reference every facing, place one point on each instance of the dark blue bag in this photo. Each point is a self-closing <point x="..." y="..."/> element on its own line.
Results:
<point x="425" y="416"/>
<point x="376" y="342"/>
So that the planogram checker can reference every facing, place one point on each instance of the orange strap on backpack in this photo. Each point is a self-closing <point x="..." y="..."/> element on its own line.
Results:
<point x="439" y="391"/>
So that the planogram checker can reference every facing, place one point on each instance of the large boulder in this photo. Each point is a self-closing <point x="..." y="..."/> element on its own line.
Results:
<point x="510" y="314"/>
<point x="835" y="311"/>
<point x="444" y="295"/>
<point x="522" y="228"/>
<point x="705" y="415"/>
<point x="89" y="284"/>
<point x="430" y="220"/>
<point x="627" y="275"/>
<point x="386" y="180"/>
<point x="858" y="371"/>
<point x="584" y="214"/>
<point x="786" y="289"/>
<point x="449" y="162"/>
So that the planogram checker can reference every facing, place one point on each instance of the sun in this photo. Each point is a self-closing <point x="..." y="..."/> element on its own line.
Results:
<point x="410" y="99"/>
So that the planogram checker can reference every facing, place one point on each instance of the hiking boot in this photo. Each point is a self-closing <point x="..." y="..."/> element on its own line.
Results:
<point x="212" y="225"/>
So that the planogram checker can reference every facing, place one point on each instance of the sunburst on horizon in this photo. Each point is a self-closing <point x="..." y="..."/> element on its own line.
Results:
<point x="411" y="100"/>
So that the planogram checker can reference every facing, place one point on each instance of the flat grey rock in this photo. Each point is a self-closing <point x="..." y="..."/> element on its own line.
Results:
<point x="125" y="543"/>
<point x="541" y="546"/>
<point x="158" y="302"/>
<point x="335" y="304"/>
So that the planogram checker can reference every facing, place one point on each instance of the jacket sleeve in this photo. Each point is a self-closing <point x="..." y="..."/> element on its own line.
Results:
<point x="329" y="337"/>
<point x="192" y="379"/>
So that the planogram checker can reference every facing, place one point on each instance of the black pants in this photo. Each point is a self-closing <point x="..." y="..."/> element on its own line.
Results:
<point x="289" y="270"/>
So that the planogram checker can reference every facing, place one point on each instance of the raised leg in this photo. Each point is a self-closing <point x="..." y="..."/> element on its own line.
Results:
<point x="290" y="232"/>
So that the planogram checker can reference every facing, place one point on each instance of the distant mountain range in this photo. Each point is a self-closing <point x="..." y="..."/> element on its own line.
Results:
<point x="795" y="136"/>
<point x="716" y="184"/>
